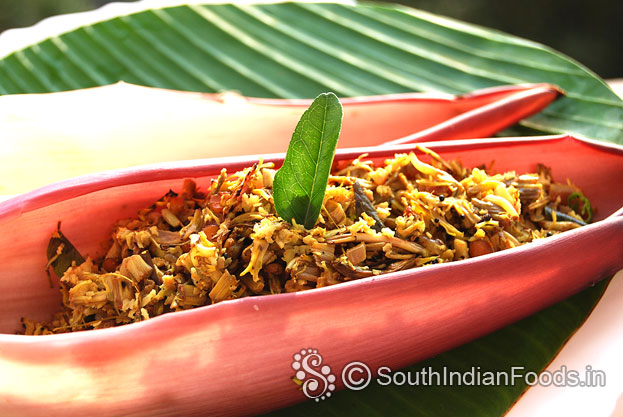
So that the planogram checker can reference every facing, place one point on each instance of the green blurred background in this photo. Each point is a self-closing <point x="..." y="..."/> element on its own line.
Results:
<point x="590" y="32"/>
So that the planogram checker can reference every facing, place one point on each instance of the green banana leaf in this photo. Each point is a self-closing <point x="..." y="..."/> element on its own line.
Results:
<point x="292" y="50"/>
<point x="303" y="49"/>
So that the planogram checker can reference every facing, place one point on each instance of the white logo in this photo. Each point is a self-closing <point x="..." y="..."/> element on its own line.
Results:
<point x="318" y="382"/>
<point x="356" y="375"/>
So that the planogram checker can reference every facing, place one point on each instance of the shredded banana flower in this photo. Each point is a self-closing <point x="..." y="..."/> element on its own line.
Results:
<point x="199" y="247"/>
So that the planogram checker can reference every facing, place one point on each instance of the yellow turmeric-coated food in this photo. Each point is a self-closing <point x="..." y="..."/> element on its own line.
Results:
<point x="198" y="247"/>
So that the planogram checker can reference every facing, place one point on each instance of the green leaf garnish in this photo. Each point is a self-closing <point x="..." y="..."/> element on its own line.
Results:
<point x="585" y="210"/>
<point x="61" y="253"/>
<point x="300" y="184"/>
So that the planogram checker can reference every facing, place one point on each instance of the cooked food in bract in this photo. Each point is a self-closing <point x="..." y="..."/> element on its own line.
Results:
<point x="196" y="247"/>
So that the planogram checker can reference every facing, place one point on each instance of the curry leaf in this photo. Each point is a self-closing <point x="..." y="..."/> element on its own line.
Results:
<point x="61" y="253"/>
<point x="364" y="205"/>
<point x="301" y="182"/>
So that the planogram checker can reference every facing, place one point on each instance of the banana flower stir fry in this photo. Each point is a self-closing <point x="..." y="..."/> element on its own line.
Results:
<point x="198" y="247"/>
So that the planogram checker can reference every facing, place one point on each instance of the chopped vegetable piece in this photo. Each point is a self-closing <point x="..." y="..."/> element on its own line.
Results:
<point x="357" y="254"/>
<point x="479" y="248"/>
